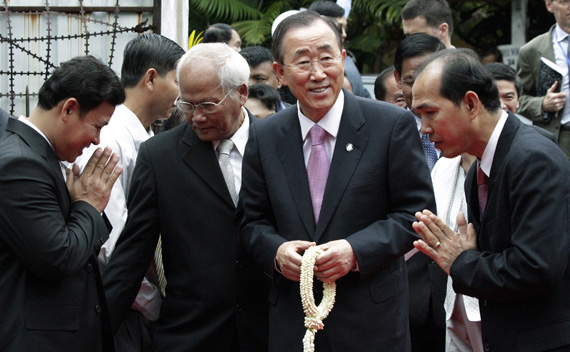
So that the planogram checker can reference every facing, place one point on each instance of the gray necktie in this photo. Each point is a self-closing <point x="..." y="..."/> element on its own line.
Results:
<point x="224" y="149"/>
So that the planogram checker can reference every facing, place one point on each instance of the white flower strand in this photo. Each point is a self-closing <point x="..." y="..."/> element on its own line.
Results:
<point x="314" y="315"/>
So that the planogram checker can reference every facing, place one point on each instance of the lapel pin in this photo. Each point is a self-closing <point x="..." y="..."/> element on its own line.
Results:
<point x="349" y="147"/>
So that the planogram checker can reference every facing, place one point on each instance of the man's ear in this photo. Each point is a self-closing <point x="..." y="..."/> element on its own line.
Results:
<point x="472" y="103"/>
<point x="443" y="32"/>
<point x="397" y="77"/>
<point x="150" y="76"/>
<point x="70" y="106"/>
<point x="280" y="72"/>
<point x="243" y="93"/>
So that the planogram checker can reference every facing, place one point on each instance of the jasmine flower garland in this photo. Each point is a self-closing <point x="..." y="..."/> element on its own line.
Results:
<point x="314" y="315"/>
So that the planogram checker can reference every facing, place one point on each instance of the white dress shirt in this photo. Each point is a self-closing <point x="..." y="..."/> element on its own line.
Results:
<point x="236" y="154"/>
<point x="124" y="134"/>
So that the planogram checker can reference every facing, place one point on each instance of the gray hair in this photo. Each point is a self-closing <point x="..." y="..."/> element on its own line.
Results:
<point x="232" y="68"/>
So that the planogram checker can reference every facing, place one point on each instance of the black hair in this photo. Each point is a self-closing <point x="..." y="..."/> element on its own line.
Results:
<point x="435" y="12"/>
<point x="418" y="44"/>
<point x="267" y="94"/>
<point x="490" y="50"/>
<point x="462" y="71"/>
<point x="84" y="78"/>
<point x="503" y="72"/>
<point x="148" y="51"/>
<point x="327" y="8"/>
<point x="380" y="83"/>
<point x="301" y="19"/>
<point x="256" y="55"/>
<point x="218" y="33"/>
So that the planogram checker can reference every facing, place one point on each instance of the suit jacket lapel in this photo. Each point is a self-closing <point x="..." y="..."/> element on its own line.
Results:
<point x="201" y="158"/>
<point x="503" y="146"/>
<point x="349" y="147"/>
<point x="38" y="144"/>
<point x="290" y="149"/>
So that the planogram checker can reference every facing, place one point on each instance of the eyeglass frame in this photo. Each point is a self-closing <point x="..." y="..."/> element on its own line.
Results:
<point x="216" y="106"/>
<point x="309" y="64"/>
<point x="563" y="2"/>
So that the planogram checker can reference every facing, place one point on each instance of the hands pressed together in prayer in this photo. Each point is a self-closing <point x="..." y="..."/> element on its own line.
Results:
<point x="337" y="260"/>
<point x="95" y="183"/>
<point x="439" y="241"/>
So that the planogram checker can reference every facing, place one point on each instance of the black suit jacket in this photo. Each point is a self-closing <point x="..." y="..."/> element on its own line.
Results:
<point x="378" y="179"/>
<point x="50" y="289"/>
<point x="4" y="116"/>
<point x="214" y="291"/>
<point x="520" y="272"/>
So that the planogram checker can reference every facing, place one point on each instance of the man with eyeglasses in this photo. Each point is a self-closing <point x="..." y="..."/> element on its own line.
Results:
<point x="185" y="187"/>
<point x="340" y="172"/>
<point x="552" y="110"/>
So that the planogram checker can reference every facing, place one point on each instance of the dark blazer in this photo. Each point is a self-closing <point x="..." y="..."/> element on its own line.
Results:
<point x="378" y="179"/>
<point x="4" y="116"/>
<point x="520" y="272"/>
<point x="214" y="291"/>
<point x="50" y="288"/>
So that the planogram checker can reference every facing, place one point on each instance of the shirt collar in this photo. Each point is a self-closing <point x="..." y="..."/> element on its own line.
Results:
<point x="560" y="34"/>
<point x="330" y="122"/>
<point x="489" y="153"/>
<point x="131" y="122"/>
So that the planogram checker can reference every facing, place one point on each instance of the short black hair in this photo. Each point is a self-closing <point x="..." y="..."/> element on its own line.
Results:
<point x="462" y="71"/>
<point x="148" y="51"/>
<point x="301" y="19"/>
<point x="327" y="8"/>
<point x="490" y="50"/>
<point x="380" y="83"/>
<point x="503" y="72"/>
<point x="84" y="78"/>
<point x="417" y="44"/>
<point x="435" y="12"/>
<point x="256" y="55"/>
<point x="218" y="33"/>
<point x="267" y="94"/>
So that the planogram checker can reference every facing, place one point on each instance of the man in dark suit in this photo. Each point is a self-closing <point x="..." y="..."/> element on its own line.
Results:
<point x="4" y="116"/>
<point x="550" y="111"/>
<point x="216" y="299"/>
<point x="515" y="255"/>
<point x="366" y="205"/>
<point x="51" y="228"/>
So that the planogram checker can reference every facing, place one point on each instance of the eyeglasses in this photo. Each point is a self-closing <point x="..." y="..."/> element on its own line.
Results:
<point x="305" y="66"/>
<point x="207" y="108"/>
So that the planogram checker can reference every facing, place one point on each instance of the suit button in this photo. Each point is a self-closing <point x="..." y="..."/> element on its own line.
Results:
<point x="487" y="347"/>
<point x="237" y="220"/>
<point x="484" y="303"/>
<point x="98" y="308"/>
<point x="239" y="265"/>
<point x="89" y="268"/>
<point x="239" y="308"/>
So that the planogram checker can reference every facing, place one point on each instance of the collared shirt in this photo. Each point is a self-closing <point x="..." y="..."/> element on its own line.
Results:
<point x="236" y="154"/>
<point x="124" y="134"/>
<point x="559" y="46"/>
<point x="330" y="123"/>
<point x="489" y="153"/>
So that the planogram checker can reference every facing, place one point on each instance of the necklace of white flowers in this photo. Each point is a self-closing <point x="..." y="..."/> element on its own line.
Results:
<point x="314" y="315"/>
